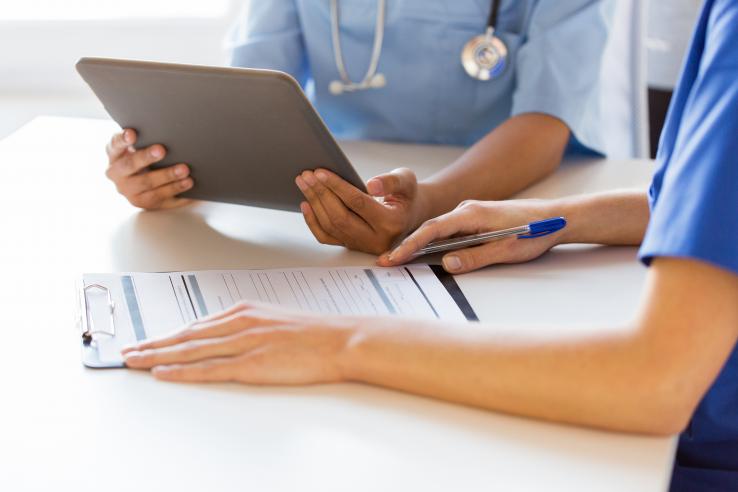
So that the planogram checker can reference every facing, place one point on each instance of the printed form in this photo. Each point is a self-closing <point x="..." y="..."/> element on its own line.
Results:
<point x="147" y="305"/>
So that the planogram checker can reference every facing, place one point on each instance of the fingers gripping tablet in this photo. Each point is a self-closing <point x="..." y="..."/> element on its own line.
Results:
<point x="245" y="134"/>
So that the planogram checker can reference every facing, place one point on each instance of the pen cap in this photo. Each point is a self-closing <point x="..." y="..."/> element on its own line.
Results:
<point x="547" y="226"/>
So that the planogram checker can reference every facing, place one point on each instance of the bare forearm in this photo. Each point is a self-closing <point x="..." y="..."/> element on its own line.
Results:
<point x="513" y="156"/>
<point x="645" y="378"/>
<point x="585" y="382"/>
<point x="617" y="217"/>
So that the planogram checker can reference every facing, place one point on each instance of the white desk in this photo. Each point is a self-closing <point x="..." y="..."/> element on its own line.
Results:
<point x="63" y="427"/>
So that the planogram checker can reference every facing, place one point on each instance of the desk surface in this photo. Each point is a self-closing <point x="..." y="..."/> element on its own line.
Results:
<point x="65" y="427"/>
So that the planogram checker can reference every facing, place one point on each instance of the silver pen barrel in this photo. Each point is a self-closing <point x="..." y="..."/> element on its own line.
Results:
<point x="473" y="240"/>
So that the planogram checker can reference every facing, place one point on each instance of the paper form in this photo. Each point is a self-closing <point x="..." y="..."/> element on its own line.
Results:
<point x="153" y="304"/>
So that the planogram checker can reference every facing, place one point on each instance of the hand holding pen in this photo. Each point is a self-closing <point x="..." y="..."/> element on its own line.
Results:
<point x="482" y="233"/>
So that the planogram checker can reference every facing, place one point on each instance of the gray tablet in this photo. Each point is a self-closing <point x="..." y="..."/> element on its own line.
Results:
<point x="246" y="134"/>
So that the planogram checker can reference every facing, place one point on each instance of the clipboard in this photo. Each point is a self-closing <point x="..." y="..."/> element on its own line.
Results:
<point x="116" y="309"/>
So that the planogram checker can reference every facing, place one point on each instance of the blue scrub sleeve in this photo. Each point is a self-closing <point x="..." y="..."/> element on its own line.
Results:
<point x="558" y="65"/>
<point x="268" y="35"/>
<point x="695" y="192"/>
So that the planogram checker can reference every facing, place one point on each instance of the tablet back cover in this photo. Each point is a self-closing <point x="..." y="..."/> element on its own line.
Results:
<point x="246" y="134"/>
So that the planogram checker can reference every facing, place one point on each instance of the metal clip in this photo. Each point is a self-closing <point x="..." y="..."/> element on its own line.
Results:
<point x="88" y="330"/>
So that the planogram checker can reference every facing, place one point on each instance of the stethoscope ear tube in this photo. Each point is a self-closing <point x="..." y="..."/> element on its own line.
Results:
<point x="338" y="87"/>
<point x="372" y="79"/>
<point x="484" y="57"/>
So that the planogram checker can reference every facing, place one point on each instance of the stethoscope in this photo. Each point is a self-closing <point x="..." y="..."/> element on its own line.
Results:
<point x="484" y="57"/>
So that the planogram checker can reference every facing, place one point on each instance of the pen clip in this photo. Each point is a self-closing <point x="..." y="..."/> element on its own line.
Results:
<point x="544" y="228"/>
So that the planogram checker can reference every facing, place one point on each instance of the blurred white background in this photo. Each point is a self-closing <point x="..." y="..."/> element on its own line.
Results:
<point x="40" y="41"/>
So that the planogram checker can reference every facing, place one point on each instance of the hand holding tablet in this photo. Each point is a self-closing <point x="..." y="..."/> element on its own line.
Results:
<point x="244" y="134"/>
<point x="143" y="187"/>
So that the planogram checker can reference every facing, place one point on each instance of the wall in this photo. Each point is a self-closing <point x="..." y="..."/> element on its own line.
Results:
<point x="37" y="56"/>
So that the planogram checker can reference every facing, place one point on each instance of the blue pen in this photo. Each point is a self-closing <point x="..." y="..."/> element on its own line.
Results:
<point x="534" y="229"/>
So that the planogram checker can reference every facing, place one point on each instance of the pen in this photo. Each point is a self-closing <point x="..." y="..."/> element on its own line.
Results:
<point x="534" y="229"/>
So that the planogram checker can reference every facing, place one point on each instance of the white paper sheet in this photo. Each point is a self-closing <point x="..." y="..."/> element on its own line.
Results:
<point x="153" y="304"/>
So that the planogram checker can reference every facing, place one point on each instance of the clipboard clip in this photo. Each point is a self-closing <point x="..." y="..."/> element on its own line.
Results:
<point x="88" y="326"/>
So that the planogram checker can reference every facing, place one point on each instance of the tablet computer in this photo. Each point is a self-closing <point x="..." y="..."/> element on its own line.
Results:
<point x="246" y="134"/>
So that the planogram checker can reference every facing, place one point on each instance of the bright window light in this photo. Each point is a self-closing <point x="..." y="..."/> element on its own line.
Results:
<point x="56" y="10"/>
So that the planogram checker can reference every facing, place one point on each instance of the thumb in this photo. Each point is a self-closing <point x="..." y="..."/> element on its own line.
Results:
<point x="401" y="181"/>
<point x="468" y="259"/>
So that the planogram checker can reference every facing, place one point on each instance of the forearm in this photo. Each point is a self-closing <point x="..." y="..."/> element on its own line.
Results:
<point x="646" y="378"/>
<point x="591" y="382"/>
<point x="617" y="217"/>
<point x="514" y="155"/>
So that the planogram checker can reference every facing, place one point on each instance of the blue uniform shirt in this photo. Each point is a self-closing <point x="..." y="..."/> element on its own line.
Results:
<point x="554" y="64"/>
<point x="695" y="215"/>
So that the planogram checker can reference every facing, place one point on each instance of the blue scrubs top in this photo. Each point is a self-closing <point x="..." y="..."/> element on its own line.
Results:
<point x="695" y="215"/>
<point x="555" y="52"/>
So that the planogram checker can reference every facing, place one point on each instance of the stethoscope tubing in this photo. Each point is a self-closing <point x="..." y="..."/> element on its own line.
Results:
<point x="379" y="29"/>
<point x="374" y="80"/>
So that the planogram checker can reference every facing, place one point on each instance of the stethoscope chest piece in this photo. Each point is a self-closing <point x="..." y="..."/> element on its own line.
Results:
<point x="485" y="56"/>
